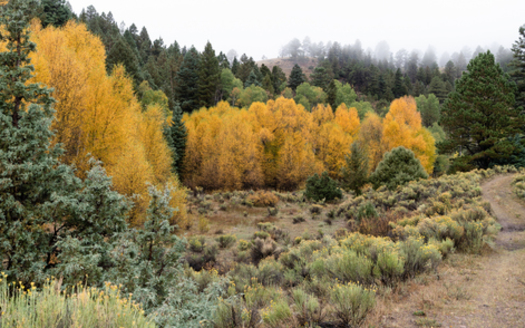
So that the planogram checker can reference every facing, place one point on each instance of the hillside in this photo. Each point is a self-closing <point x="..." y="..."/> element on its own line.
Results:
<point x="307" y="64"/>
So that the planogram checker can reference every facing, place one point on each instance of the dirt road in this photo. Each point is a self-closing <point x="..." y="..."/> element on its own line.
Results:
<point x="486" y="291"/>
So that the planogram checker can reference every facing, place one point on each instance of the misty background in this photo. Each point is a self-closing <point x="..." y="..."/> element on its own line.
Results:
<point x="384" y="29"/>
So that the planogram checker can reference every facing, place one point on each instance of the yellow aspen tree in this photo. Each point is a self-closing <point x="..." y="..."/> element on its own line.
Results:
<point x="332" y="145"/>
<point x="402" y="127"/>
<point x="296" y="162"/>
<point x="265" y="124"/>
<point x="322" y="114"/>
<point x="348" y="119"/>
<point x="158" y="153"/>
<point x="371" y="135"/>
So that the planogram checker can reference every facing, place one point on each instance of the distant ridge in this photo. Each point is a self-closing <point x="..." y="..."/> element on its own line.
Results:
<point x="307" y="64"/>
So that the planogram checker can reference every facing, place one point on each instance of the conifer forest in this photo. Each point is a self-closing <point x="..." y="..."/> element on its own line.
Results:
<point x="151" y="184"/>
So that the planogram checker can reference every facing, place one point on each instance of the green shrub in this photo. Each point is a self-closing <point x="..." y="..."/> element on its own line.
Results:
<point x="348" y="266"/>
<point x="351" y="304"/>
<point x="419" y="257"/>
<point x="308" y="309"/>
<point x="196" y="244"/>
<point x="322" y="188"/>
<point x="398" y="167"/>
<point x="261" y="235"/>
<point x="270" y="272"/>
<point x="278" y="314"/>
<point x="366" y="211"/>
<point x="225" y="241"/>
<point x="390" y="266"/>
<point x="243" y="245"/>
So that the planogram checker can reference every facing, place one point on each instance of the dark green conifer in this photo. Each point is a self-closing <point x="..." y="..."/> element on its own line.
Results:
<point x="331" y="94"/>
<point x="439" y="88"/>
<point x="122" y="53"/>
<point x="235" y="66"/>
<point x="209" y="77"/>
<point x="355" y="172"/>
<point x="188" y="82"/>
<point x="176" y="136"/>
<point x="399" y="89"/>
<point x="54" y="12"/>
<point x="398" y="167"/>
<point x="296" y="77"/>
<point x="252" y="80"/>
<point x="278" y="79"/>
<point x="518" y="67"/>
<point x="480" y="115"/>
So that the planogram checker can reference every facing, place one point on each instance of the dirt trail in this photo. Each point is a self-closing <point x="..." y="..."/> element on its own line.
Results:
<point x="486" y="291"/>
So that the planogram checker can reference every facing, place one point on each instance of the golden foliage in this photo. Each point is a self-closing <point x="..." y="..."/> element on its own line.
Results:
<point x="371" y="135"/>
<point x="402" y="127"/>
<point x="348" y="119"/>
<point x="223" y="151"/>
<point x="99" y="116"/>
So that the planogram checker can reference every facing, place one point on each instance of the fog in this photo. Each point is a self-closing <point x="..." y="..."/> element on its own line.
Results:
<point x="382" y="27"/>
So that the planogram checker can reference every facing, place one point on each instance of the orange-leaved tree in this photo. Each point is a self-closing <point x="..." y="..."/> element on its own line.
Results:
<point x="402" y="127"/>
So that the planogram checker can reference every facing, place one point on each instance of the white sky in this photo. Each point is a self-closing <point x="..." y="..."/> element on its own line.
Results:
<point x="261" y="28"/>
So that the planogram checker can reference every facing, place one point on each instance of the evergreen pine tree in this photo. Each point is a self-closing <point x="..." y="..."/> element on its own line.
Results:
<point x="54" y="12"/>
<point x="331" y="94"/>
<point x="235" y="66"/>
<point x="399" y="88"/>
<point x="223" y="61"/>
<point x="209" y="77"/>
<point x="296" y="77"/>
<point x="267" y="84"/>
<point x="176" y="136"/>
<point x="480" y="115"/>
<point x="355" y="173"/>
<point x="320" y="78"/>
<point x="518" y="67"/>
<point x="265" y="71"/>
<point x="252" y="80"/>
<point x="398" y="167"/>
<point x="278" y="79"/>
<point x="188" y="82"/>
<point x="450" y="72"/>
<point x="122" y="53"/>
<point x="439" y="88"/>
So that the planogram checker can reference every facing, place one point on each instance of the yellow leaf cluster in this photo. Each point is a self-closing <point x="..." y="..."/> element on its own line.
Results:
<point x="98" y="115"/>
<point x="402" y="127"/>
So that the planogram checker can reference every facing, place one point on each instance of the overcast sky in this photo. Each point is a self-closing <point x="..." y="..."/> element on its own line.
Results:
<point x="260" y="28"/>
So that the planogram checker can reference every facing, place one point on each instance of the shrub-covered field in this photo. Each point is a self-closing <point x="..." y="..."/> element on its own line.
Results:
<point x="280" y="277"/>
